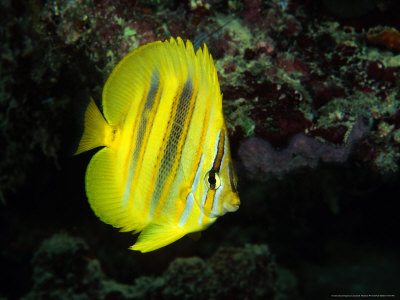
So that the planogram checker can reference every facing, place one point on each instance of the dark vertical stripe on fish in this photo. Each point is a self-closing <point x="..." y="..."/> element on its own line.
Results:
<point x="145" y="114"/>
<point x="215" y="168"/>
<point x="220" y="152"/>
<point x="171" y="155"/>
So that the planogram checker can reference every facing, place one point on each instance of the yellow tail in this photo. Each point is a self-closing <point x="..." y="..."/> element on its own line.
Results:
<point x="96" y="131"/>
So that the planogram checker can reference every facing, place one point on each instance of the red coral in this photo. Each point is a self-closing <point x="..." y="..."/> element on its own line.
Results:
<point x="252" y="13"/>
<point x="333" y="134"/>
<point x="377" y="71"/>
<point x="326" y="93"/>
<point x="229" y="67"/>
<point x="291" y="65"/>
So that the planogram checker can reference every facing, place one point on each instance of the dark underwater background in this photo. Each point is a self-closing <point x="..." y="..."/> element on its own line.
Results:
<point x="312" y="105"/>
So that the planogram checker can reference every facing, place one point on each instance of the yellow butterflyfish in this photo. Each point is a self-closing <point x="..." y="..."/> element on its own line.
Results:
<point x="165" y="168"/>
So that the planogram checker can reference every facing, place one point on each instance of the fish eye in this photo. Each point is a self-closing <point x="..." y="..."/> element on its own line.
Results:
<point x="212" y="180"/>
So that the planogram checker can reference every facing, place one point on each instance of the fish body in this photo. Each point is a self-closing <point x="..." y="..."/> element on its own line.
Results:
<point x="165" y="168"/>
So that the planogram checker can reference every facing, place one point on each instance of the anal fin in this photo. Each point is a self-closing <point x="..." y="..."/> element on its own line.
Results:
<point x="156" y="235"/>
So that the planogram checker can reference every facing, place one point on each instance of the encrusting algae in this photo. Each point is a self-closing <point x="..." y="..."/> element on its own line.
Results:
<point x="388" y="37"/>
<point x="165" y="169"/>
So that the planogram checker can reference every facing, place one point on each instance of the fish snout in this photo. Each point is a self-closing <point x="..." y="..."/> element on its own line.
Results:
<point x="233" y="204"/>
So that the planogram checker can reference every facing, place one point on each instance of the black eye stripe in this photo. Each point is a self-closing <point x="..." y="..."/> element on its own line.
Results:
<point x="211" y="179"/>
<point x="220" y="152"/>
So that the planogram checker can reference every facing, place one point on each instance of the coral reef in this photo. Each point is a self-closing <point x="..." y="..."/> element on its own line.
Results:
<point x="63" y="267"/>
<point x="280" y="86"/>
<point x="262" y="161"/>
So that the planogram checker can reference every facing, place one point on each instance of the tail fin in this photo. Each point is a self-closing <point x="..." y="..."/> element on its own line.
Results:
<point x="96" y="130"/>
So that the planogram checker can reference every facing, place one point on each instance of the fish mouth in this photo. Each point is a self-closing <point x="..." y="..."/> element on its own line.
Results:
<point x="232" y="206"/>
